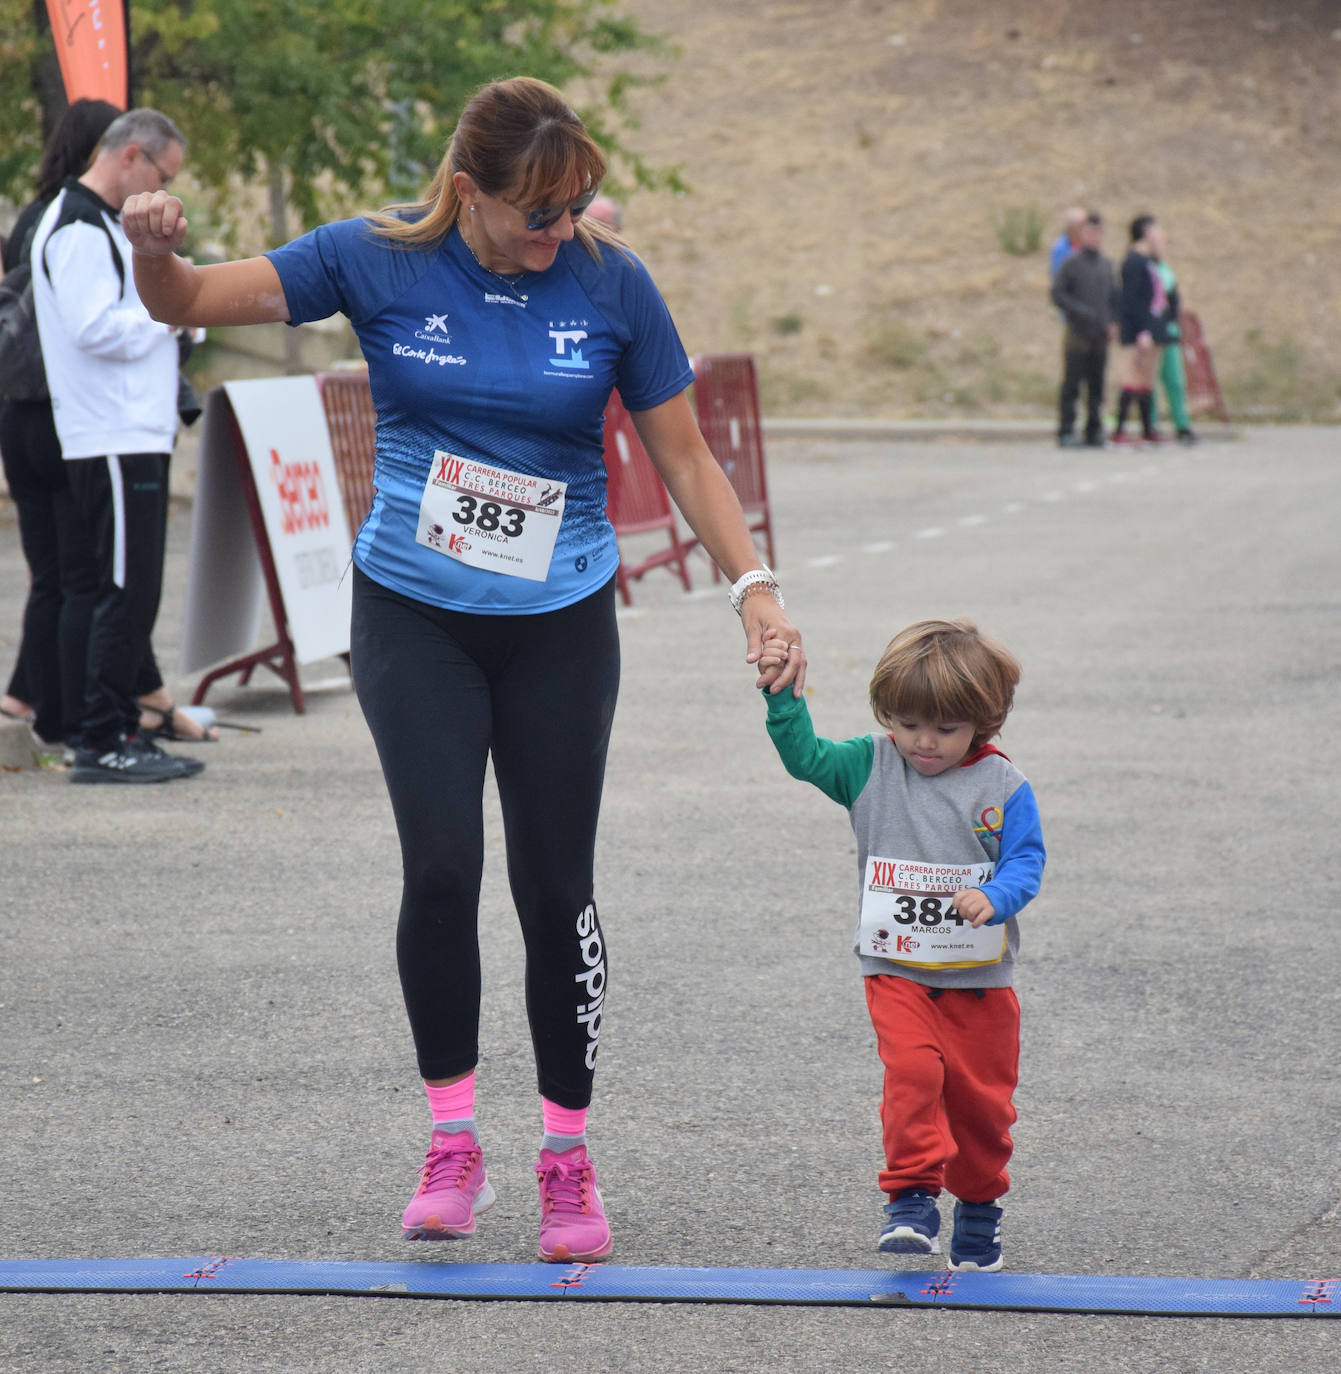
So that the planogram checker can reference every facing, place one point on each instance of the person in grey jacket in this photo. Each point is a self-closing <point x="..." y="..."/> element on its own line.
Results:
<point x="1084" y="291"/>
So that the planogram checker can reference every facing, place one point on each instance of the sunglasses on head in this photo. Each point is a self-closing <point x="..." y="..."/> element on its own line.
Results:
<point x="542" y="219"/>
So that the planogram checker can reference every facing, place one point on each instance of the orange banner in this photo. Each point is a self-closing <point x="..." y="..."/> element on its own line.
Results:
<point x="92" y="43"/>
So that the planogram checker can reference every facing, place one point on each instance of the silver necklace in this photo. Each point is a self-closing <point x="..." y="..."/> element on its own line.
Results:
<point x="509" y="282"/>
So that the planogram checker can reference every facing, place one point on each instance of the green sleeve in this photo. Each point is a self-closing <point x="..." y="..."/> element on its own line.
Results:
<point x="839" y="769"/>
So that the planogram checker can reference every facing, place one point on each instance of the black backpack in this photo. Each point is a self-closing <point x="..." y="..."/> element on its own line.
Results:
<point x="22" y="375"/>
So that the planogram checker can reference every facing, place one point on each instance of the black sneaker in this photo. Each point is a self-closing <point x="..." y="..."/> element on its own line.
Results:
<point x="1188" y="437"/>
<point x="1067" y="441"/>
<point x="975" y="1242"/>
<point x="128" y="760"/>
<point x="190" y="767"/>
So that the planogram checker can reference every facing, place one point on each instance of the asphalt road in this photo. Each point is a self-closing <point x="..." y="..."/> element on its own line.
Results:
<point x="204" y="1052"/>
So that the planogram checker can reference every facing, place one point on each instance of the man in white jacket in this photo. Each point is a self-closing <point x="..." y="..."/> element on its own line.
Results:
<point x="112" y="373"/>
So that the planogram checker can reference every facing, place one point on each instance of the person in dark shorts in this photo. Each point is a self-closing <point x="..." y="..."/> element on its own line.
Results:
<point x="1142" y="312"/>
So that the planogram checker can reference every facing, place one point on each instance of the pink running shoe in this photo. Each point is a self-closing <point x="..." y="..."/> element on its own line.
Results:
<point x="572" y="1220"/>
<point x="453" y="1190"/>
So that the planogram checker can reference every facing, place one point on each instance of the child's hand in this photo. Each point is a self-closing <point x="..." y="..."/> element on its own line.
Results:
<point x="772" y="655"/>
<point x="773" y="645"/>
<point x="776" y="656"/>
<point x="974" y="905"/>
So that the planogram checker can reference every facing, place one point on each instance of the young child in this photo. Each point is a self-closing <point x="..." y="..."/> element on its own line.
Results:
<point x="949" y="851"/>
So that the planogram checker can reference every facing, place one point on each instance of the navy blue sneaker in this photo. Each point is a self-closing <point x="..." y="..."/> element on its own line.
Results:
<point x="976" y="1240"/>
<point x="912" y="1224"/>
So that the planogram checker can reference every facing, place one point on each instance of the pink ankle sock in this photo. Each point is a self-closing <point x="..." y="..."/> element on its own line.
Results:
<point x="563" y="1120"/>
<point x="453" y="1103"/>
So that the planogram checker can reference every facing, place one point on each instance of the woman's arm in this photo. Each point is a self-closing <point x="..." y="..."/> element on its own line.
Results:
<point x="178" y="292"/>
<point x="702" y="493"/>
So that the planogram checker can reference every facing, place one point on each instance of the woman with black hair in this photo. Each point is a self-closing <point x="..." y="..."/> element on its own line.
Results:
<point x="1143" y="306"/>
<point x="56" y="615"/>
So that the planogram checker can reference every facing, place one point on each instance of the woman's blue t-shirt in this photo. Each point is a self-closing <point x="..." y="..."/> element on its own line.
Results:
<point x="515" y="378"/>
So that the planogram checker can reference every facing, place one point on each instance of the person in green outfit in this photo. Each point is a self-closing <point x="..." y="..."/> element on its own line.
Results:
<point x="1172" y="376"/>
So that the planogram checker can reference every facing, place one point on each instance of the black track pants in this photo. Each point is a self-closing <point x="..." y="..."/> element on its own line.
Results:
<point x="122" y="500"/>
<point x="442" y="691"/>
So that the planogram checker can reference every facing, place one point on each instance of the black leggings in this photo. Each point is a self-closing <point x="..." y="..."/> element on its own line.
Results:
<point x="442" y="691"/>
<point x="50" y="667"/>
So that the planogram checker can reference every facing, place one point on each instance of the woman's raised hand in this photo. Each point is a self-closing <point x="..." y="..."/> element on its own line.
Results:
<point x="154" y="223"/>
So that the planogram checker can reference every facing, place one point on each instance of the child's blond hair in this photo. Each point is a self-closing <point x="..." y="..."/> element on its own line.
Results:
<point x="945" y="670"/>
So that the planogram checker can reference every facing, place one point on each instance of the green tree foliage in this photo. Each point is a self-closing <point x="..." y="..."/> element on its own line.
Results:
<point x="27" y="68"/>
<point x="353" y="99"/>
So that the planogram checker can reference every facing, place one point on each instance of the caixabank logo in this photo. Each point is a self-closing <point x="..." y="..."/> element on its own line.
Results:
<point x="435" y="329"/>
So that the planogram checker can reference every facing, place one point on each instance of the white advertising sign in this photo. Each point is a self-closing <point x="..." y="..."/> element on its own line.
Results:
<point x="225" y="586"/>
<point x="283" y="428"/>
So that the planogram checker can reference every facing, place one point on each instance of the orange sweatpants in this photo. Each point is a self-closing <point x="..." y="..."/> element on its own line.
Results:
<point x="951" y="1065"/>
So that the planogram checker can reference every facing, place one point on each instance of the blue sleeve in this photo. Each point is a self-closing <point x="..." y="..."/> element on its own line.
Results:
<point x="344" y="269"/>
<point x="1019" y="866"/>
<point x="654" y="366"/>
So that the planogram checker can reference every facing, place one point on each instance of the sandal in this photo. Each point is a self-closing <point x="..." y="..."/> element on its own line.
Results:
<point x="24" y="717"/>
<point x="167" y="724"/>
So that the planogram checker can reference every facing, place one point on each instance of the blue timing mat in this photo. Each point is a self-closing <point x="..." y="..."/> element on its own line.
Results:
<point x="616" y="1283"/>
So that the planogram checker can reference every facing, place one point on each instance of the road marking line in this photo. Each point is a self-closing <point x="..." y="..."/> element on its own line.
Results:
<point x="936" y="531"/>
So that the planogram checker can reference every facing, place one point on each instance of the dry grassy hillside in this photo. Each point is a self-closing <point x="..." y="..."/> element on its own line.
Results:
<point x="851" y="162"/>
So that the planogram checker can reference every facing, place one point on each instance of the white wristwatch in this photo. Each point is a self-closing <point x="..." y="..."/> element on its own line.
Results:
<point x="756" y="577"/>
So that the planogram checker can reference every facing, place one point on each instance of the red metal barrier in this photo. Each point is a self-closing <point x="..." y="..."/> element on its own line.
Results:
<point x="352" y="421"/>
<point x="1204" y="396"/>
<point x="726" y="396"/>
<point x="637" y="501"/>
